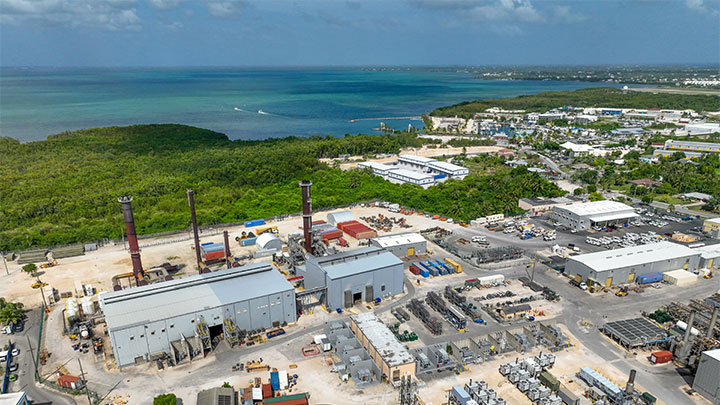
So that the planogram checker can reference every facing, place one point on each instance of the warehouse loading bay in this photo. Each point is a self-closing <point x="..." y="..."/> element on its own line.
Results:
<point x="500" y="298"/>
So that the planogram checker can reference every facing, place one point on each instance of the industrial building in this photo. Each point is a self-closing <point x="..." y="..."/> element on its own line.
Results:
<point x="380" y="169"/>
<point x="670" y="152"/>
<point x="595" y="213"/>
<point x="217" y="396"/>
<point x="707" y="377"/>
<point x="712" y="226"/>
<point x="619" y="266"/>
<point x="401" y="176"/>
<point x="542" y="204"/>
<point x="402" y="244"/>
<point x="687" y="146"/>
<point x="390" y="356"/>
<point x="434" y="166"/>
<point x="360" y="275"/>
<point x="165" y="318"/>
<point x="709" y="256"/>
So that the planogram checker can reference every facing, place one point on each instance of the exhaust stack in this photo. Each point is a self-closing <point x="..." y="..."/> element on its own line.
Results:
<point x="630" y="386"/>
<point x="226" y="238"/>
<point x="711" y="326"/>
<point x="191" y="201"/>
<point x="307" y="214"/>
<point x="126" y="204"/>
<point x="690" y="323"/>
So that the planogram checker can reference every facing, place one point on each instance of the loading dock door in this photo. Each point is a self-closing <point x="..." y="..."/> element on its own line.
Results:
<point x="348" y="299"/>
<point x="411" y="252"/>
<point x="631" y="277"/>
<point x="369" y="293"/>
<point x="608" y="282"/>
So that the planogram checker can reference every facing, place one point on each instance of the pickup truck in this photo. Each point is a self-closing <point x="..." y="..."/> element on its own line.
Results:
<point x="580" y="284"/>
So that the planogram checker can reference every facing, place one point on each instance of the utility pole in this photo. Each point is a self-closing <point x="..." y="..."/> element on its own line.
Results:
<point x="37" y="375"/>
<point x="5" y="263"/>
<point x="82" y="376"/>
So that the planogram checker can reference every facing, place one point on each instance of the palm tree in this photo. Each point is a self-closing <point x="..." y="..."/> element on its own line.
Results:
<point x="11" y="313"/>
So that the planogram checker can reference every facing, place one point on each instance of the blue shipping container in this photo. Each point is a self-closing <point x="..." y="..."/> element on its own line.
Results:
<point x="434" y="272"/>
<point x="439" y="176"/>
<point x="649" y="278"/>
<point x="424" y="273"/>
<point x="248" y="241"/>
<point x="254" y="222"/>
<point x="213" y="247"/>
<point x="275" y="380"/>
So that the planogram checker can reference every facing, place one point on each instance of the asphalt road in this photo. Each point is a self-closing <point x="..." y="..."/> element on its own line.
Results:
<point x="26" y="370"/>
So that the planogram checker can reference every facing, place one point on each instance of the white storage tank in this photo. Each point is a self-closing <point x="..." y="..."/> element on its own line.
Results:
<point x="268" y="241"/>
<point x="339" y="217"/>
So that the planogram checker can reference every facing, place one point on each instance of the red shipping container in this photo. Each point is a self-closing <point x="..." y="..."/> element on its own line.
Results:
<point x="267" y="391"/>
<point x="318" y="222"/>
<point x="663" y="356"/>
<point x="332" y="235"/>
<point x="218" y="254"/>
<point x="414" y="269"/>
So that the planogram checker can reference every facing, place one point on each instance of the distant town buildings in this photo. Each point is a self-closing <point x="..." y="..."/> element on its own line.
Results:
<point x="690" y="149"/>
<point x="418" y="170"/>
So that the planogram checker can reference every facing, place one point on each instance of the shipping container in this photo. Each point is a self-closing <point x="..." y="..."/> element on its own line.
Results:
<point x="434" y="271"/>
<point x="267" y="391"/>
<point x="275" y="380"/>
<point x="247" y="241"/>
<point x="218" y="254"/>
<point x="255" y="222"/>
<point x="460" y="395"/>
<point x="424" y="273"/>
<point x="549" y="381"/>
<point x="331" y="234"/>
<point x="649" y="278"/>
<point x="567" y="396"/>
<point x="457" y="267"/>
<point x="414" y="269"/>
<point x="660" y="357"/>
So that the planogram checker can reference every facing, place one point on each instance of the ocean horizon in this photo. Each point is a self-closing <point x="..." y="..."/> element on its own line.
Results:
<point x="241" y="102"/>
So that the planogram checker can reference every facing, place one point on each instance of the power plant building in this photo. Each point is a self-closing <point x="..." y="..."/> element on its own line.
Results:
<point x="619" y="266"/>
<point x="402" y="244"/>
<point x="390" y="356"/>
<point x="594" y="213"/>
<point x="157" y="319"/>
<point x="361" y="275"/>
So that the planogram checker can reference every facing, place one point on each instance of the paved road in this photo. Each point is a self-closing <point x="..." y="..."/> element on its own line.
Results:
<point x="26" y="370"/>
<point x="551" y="164"/>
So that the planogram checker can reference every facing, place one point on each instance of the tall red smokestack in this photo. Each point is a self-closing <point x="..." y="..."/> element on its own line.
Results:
<point x="126" y="203"/>
<point x="307" y="213"/>
<point x="226" y="238"/>
<point x="191" y="201"/>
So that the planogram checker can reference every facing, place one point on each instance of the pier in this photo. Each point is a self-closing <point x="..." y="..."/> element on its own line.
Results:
<point x="386" y="118"/>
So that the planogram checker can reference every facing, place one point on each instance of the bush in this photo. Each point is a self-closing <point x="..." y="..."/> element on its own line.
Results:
<point x="165" y="399"/>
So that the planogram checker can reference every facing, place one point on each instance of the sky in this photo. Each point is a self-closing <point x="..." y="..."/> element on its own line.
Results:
<point x="164" y="33"/>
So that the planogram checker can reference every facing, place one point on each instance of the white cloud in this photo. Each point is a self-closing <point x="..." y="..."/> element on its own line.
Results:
<point x="164" y="4"/>
<point x="710" y="8"/>
<point x="485" y="10"/>
<point x="696" y="5"/>
<point x="112" y="15"/>
<point x="564" y="14"/>
<point x="226" y="9"/>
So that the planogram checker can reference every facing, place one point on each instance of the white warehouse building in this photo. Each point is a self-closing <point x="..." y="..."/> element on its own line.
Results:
<point x="597" y="213"/>
<point x="402" y="244"/>
<point x="619" y="266"/>
<point x="429" y="165"/>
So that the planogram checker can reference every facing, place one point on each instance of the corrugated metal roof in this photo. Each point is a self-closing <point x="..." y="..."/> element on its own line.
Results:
<point x="376" y="165"/>
<point x="411" y="175"/>
<point x="633" y="256"/>
<point x="416" y="158"/>
<point x="445" y="166"/>
<point x="338" y="217"/>
<point x="709" y="252"/>
<point x="187" y="295"/>
<point x="598" y="208"/>
<point x="715" y="354"/>
<point x="399" y="239"/>
<point x="355" y="262"/>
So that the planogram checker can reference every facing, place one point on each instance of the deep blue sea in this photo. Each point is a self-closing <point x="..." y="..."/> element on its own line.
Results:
<point x="37" y="102"/>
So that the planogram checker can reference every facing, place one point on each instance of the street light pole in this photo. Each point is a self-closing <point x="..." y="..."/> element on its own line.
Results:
<point x="5" y="263"/>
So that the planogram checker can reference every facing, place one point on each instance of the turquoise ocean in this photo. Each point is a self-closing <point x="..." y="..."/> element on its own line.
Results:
<point x="243" y="103"/>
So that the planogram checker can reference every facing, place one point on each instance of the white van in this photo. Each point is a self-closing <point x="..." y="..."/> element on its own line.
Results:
<point x="3" y="356"/>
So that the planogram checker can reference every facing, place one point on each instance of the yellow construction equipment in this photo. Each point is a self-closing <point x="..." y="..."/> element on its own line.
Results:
<point x="49" y="264"/>
<point x="623" y="291"/>
<point x="252" y="366"/>
<point x="272" y="229"/>
<point x="38" y="284"/>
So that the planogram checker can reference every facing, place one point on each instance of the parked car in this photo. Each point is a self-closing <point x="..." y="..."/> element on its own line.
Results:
<point x="15" y="352"/>
<point x="13" y="367"/>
